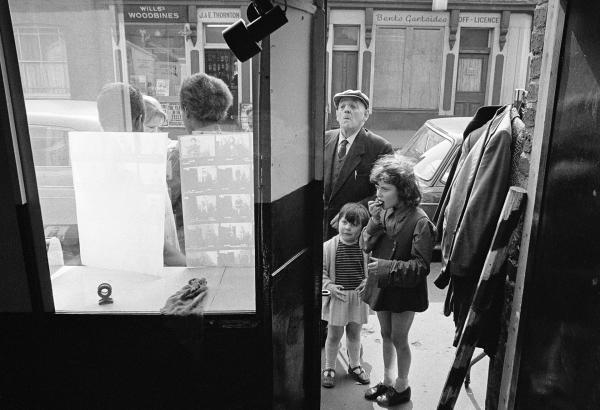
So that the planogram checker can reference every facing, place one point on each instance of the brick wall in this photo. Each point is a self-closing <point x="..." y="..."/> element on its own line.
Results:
<point x="519" y="177"/>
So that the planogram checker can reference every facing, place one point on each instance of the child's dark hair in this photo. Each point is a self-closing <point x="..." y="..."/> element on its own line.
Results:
<point x="397" y="170"/>
<point x="355" y="213"/>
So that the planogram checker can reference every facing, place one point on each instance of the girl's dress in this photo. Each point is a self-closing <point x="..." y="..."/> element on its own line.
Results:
<point x="403" y="241"/>
<point x="335" y="311"/>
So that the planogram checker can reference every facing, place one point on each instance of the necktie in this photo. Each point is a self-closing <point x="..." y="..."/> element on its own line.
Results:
<point x="342" y="150"/>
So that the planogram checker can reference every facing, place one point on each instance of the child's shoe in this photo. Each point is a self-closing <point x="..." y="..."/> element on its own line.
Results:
<point x="373" y="392"/>
<point x="359" y="374"/>
<point x="391" y="397"/>
<point x="328" y="378"/>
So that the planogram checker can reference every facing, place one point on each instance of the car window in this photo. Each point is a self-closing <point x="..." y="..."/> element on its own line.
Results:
<point x="428" y="149"/>
<point x="50" y="145"/>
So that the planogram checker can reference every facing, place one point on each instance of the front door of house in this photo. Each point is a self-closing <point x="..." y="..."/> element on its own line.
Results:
<point x="472" y="71"/>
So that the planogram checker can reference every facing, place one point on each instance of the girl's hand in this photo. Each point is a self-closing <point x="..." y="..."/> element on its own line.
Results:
<point x="360" y="289"/>
<point x="336" y="292"/>
<point x="372" y="266"/>
<point x="375" y="208"/>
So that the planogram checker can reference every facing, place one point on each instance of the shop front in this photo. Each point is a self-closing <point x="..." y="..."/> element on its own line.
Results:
<point x="167" y="43"/>
<point x="152" y="46"/>
<point x="422" y="64"/>
<point x="103" y="327"/>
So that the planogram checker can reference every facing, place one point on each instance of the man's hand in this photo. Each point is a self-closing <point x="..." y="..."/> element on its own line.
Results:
<point x="336" y="292"/>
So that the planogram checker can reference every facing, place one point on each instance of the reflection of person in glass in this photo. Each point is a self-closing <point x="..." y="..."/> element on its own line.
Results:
<point x="121" y="109"/>
<point x="204" y="101"/>
<point x="155" y="115"/>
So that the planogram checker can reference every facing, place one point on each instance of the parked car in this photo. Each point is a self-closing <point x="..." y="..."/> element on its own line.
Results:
<point x="49" y="124"/>
<point x="433" y="148"/>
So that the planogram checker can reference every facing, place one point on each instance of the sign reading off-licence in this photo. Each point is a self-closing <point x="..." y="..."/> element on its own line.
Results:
<point x="155" y="14"/>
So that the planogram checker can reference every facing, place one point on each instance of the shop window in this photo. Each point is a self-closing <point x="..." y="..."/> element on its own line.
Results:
<point x="144" y="212"/>
<point x="155" y="58"/>
<point x="408" y="67"/>
<point x="42" y="58"/>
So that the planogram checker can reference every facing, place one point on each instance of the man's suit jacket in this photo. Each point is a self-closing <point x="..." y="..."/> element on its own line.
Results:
<point x="352" y="184"/>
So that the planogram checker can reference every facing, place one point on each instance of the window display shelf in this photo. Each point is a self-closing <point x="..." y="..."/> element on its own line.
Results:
<point x="75" y="289"/>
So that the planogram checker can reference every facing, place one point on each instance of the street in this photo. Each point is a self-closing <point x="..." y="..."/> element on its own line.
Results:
<point x="432" y="355"/>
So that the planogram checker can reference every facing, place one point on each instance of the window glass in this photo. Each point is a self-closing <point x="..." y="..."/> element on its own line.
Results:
<point x="345" y="35"/>
<point x="213" y="34"/>
<point x="135" y="192"/>
<point x="50" y="145"/>
<point x="408" y="67"/>
<point x="428" y="149"/>
<point x="474" y="38"/>
<point x="42" y="60"/>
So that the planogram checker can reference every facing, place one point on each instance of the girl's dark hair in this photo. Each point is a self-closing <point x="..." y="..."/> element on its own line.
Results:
<point x="397" y="170"/>
<point x="355" y="213"/>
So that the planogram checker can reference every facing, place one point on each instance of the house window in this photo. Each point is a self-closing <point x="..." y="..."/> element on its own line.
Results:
<point x="408" y="67"/>
<point x="345" y="58"/>
<point x="42" y="61"/>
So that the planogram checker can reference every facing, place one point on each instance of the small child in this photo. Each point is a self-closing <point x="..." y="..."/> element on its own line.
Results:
<point x="344" y="273"/>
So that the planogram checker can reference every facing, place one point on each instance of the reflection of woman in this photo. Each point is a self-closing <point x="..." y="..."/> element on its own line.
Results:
<point x="399" y="234"/>
<point x="204" y="101"/>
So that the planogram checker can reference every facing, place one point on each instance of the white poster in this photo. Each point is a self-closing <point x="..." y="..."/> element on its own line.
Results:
<point x="119" y="181"/>
<point x="162" y="87"/>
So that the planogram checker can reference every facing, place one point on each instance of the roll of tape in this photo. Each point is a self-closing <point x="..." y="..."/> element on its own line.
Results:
<point x="104" y="290"/>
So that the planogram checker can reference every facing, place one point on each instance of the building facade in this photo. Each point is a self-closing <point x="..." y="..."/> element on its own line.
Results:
<point x="415" y="63"/>
<point x="153" y="46"/>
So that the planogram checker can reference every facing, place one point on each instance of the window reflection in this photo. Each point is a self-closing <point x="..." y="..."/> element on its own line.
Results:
<point x="138" y="189"/>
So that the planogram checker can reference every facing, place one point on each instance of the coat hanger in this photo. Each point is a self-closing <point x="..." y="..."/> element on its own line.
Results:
<point x="519" y="99"/>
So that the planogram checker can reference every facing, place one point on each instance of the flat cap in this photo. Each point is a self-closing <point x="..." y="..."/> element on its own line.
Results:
<point x="357" y="94"/>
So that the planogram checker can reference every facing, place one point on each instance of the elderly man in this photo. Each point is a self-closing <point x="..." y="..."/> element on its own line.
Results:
<point x="350" y="152"/>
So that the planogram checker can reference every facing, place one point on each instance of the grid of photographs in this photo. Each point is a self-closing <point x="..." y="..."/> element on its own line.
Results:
<point x="218" y="198"/>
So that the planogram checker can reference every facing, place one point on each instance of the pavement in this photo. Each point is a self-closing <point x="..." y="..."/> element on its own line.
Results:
<point x="430" y="339"/>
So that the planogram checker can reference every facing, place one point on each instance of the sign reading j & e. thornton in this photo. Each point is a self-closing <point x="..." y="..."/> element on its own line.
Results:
<point x="214" y="15"/>
<point x="155" y="14"/>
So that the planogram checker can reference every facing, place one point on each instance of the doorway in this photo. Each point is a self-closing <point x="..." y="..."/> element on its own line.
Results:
<point x="472" y="71"/>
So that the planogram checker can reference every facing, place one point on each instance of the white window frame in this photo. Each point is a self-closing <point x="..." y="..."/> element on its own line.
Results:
<point x="58" y="30"/>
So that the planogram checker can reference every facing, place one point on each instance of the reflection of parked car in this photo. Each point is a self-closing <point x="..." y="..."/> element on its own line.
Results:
<point x="49" y="124"/>
<point x="433" y="148"/>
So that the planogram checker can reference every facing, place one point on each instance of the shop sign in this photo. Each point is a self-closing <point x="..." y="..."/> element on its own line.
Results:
<point x="219" y="15"/>
<point x="154" y="14"/>
<point x="479" y="19"/>
<point x="410" y="18"/>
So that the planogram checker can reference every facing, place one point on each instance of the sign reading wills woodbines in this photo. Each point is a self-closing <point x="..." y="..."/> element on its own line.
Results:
<point x="155" y="14"/>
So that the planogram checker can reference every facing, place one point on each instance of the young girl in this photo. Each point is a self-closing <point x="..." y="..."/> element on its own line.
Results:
<point x="344" y="269"/>
<point x="399" y="235"/>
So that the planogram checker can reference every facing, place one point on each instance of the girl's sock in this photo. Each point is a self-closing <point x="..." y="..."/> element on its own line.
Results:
<point x="401" y="384"/>
<point x="331" y="351"/>
<point x="389" y="376"/>
<point x="353" y="352"/>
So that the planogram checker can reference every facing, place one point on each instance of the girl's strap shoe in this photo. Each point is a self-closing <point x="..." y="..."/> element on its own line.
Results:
<point x="359" y="374"/>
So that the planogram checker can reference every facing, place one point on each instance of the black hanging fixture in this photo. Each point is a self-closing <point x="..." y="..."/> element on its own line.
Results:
<point x="264" y="18"/>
